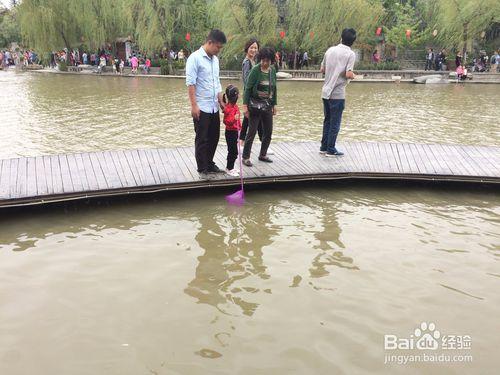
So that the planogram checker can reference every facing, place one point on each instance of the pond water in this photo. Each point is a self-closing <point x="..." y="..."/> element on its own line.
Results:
<point x="302" y="279"/>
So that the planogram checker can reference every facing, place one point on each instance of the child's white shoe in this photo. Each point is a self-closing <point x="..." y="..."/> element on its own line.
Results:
<point x="233" y="172"/>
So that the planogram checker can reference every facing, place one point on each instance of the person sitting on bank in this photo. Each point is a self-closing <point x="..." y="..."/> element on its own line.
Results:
<point x="259" y="104"/>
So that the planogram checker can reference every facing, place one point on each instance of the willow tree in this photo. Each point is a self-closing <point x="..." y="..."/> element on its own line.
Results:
<point x="242" y="19"/>
<point x="9" y="28"/>
<point x="317" y="24"/>
<point x="101" y="21"/>
<point x="48" y="25"/>
<point x="159" y="23"/>
<point x="460" y="22"/>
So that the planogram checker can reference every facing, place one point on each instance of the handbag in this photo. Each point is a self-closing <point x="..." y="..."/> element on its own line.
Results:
<point x="260" y="104"/>
<point x="263" y="105"/>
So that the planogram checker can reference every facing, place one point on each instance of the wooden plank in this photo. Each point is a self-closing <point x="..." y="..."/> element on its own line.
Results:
<point x="174" y="174"/>
<point x="5" y="179"/>
<point x="414" y="163"/>
<point x="442" y="156"/>
<point x="371" y="156"/>
<point x="455" y="164"/>
<point x="392" y="158"/>
<point x="22" y="177"/>
<point x="65" y="174"/>
<point x="115" y="162"/>
<point x="47" y="164"/>
<point x="142" y="160"/>
<point x="109" y="170"/>
<point x="99" y="173"/>
<point x="491" y="155"/>
<point x="403" y="164"/>
<point x="89" y="172"/>
<point x="490" y="163"/>
<point x="437" y="160"/>
<point x="31" y="178"/>
<point x="41" y="176"/>
<point x="133" y="167"/>
<point x="303" y="165"/>
<point x="156" y="168"/>
<point x="76" y="176"/>
<point x="13" y="177"/>
<point x="120" y="159"/>
<point x="474" y="160"/>
<point x="353" y="154"/>
<point x="366" y="162"/>
<point x="464" y="167"/>
<point x="56" y="174"/>
<point x="385" y="165"/>
<point x="424" y="165"/>
<point x="177" y="160"/>
<point x="162" y="170"/>
<point x="82" y="172"/>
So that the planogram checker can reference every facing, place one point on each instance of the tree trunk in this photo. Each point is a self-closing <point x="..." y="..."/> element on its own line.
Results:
<point x="464" y="49"/>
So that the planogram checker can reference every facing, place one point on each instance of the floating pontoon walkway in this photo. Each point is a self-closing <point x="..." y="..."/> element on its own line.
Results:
<point x="44" y="179"/>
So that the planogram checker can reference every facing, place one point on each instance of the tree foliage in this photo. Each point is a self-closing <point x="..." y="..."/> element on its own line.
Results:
<point x="317" y="24"/>
<point x="242" y="19"/>
<point x="9" y="27"/>
<point x="311" y="25"/>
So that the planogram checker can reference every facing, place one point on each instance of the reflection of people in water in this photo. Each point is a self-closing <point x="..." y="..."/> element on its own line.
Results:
<point x="329" y="244"/>
<point x="233" y="246"/>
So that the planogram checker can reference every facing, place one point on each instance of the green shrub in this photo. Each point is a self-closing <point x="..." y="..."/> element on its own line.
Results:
<point x="165" y="67"/>
<point x="63" y="66"/>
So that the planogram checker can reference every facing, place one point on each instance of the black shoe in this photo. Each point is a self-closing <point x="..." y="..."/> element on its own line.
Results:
<point x="214" y="169"/>
<point x="247" y="162"/>
<point x="204" y="175"/>
<point x="265" y="158"/>
<point x="336" y="153"/>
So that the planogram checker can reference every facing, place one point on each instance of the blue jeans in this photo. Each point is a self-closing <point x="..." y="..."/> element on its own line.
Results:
<point x="333" y="109"/>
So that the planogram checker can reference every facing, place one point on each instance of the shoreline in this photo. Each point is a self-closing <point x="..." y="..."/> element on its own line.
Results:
<point x="236" y="78"/>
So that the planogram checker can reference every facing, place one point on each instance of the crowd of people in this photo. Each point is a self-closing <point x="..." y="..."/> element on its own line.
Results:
<point x="17" y="58"/>
<point x="479" y="63"/>
<point x="260" y="93"/>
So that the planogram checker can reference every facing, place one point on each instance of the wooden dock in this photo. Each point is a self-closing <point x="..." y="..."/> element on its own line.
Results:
<point x="52" y="178"/>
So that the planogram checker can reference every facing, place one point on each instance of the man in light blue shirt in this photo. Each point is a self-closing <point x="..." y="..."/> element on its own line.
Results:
<point x="205" y="96"/>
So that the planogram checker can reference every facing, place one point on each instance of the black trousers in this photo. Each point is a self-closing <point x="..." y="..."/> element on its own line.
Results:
<point x="244" y="129"/>
<point x="232" y="147"/>
<point x="256" y="117"/>
<point x="207" y="130"/>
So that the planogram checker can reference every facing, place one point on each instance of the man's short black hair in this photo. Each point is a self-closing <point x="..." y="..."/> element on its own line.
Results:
<point x="348" y="37"/>
<point x="216" y="36"/>
<point x="267" y="53"/>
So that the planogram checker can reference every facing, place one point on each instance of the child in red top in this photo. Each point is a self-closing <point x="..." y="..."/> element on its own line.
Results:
<point x="233" y="126"/>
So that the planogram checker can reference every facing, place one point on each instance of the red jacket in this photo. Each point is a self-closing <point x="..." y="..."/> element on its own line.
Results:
<point x="232" y="117"/>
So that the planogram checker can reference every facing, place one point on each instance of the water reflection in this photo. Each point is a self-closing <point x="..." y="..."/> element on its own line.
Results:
<point x="233" y="243"/>
<point x="329" y="244"/>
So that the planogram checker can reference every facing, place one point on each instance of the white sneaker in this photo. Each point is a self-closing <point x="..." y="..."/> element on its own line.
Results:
<point x="270" y="152"/>
<point x="233" y="172"/>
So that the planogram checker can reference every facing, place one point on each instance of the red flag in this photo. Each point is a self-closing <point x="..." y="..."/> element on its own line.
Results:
<point x="282" y="34"/>
<point x="311" y="34"/>
<point x="408" y="34"/>
<point x="188" y="37"/>
<point x="379" y="31"/>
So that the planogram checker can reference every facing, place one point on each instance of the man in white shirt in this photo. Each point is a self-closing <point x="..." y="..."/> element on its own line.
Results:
<point x="338" y="65"/>
<point x="205" y="96"/>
